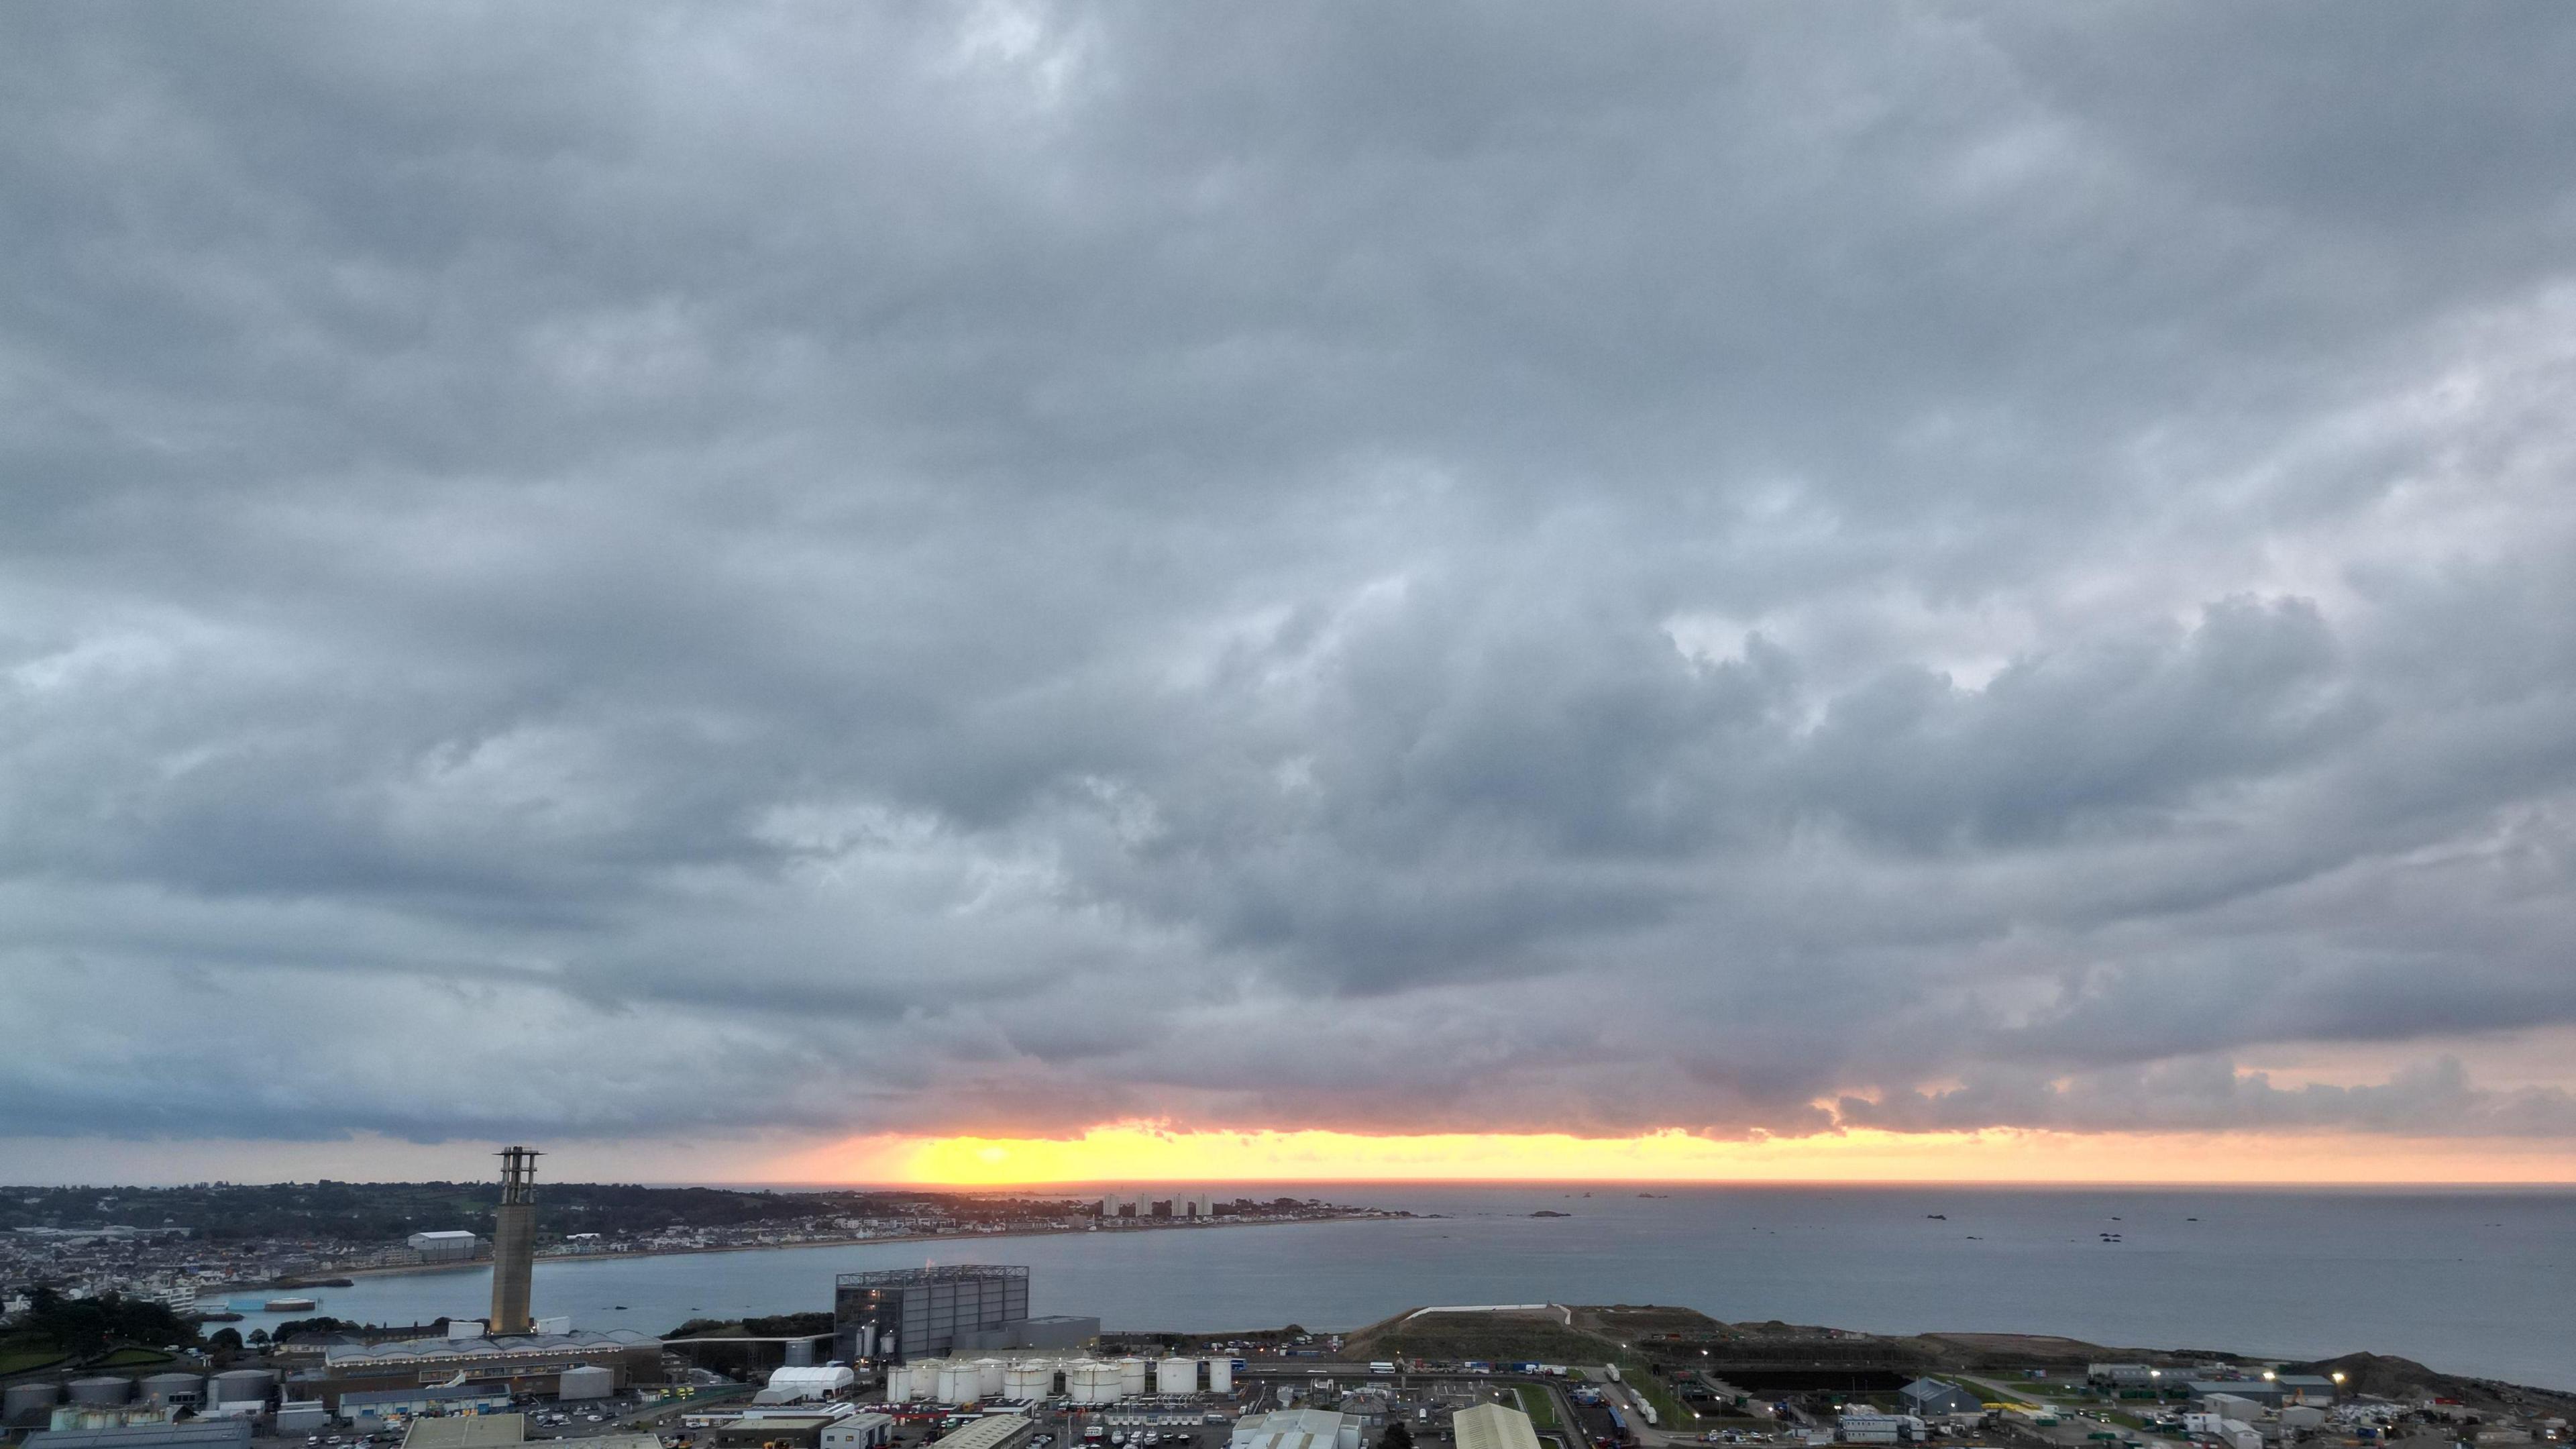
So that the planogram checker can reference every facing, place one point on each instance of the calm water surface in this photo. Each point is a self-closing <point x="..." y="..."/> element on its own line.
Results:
<point x="2472" y="1282"/>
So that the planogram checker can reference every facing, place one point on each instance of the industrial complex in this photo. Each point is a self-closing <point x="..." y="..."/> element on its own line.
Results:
<point x="953" y="1353"/>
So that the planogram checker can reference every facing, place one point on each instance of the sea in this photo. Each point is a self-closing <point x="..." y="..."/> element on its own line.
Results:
<point x="2474" y="1282"/>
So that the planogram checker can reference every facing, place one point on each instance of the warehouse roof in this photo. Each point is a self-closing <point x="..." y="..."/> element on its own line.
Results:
<point x="467" y="1431"/>
<point x="1491" y="1426"/>
<point x="430" y="1350"/>
<point x="1294" y="1429"/>
<point x="986" y="1432"/>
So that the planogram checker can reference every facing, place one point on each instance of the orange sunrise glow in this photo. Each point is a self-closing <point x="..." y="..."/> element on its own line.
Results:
<point x="1144" y="1152"/>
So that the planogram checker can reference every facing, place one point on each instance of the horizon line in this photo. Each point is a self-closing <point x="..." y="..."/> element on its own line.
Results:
<point x="1586" y="1183"/>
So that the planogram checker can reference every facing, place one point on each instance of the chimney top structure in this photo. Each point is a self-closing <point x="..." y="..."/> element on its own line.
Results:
<point x="514" y="1240"/>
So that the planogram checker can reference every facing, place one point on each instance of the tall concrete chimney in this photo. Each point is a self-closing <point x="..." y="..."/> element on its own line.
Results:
<point x="514" y="1240"/>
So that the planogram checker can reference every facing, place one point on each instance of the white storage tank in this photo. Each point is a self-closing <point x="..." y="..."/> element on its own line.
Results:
<point x="585" y="1381"/>
<point x="241" y="1386"/>
<point x="921" y="1379"/>
<point x="101" y="1392"/>
<point x="988" y="1378"/>
<point x="174" y="1389"/>
<point x="960" y="1382"/>
<point x="1090" y="1381"/>
<point x="1131" y="1378"/>
<point x="1176" y="1376"/>
<point x="1029" y="1378"/>
<point x="1220" y="1375"/>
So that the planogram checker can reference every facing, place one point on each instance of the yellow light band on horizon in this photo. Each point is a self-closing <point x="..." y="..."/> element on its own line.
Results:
<point x="1146" y="1152"/>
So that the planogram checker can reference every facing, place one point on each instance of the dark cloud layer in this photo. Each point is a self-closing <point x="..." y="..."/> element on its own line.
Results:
<point x="616" y="570"/>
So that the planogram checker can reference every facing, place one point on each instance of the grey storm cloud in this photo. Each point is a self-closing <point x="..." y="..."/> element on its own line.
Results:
<point x="615" y="571"/>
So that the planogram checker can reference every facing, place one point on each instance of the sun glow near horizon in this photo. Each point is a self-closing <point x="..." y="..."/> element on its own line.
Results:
<point x="1146" y="1152"/>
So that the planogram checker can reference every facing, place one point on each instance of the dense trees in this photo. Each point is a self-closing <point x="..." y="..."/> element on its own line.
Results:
<point x="88" y="1325"/>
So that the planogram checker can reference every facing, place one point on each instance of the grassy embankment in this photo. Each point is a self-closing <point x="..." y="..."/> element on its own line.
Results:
<point x="1515" y="1338"/>
<point x="1537" y="1403"/>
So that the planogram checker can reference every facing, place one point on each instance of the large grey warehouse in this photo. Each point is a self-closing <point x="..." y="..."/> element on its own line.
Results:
<point x="915" y="1313"/>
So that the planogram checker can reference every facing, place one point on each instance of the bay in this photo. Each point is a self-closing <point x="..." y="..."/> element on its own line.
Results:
<point x="2472" y="1282"/>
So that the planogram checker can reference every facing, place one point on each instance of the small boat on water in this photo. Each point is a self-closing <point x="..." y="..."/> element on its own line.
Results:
<point x="290" y="1305"/>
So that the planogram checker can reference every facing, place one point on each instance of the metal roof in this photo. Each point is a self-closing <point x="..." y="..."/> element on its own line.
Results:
<point x="467" y="1431"/>
<point x="434" y="1350"/>
<point x="1931" y="1388"/>
<point x="1491" y="1426"/>
<point x="988" y="1432"/>
<point x="1293" y="1429"/>
<point x="622" y="1441"/>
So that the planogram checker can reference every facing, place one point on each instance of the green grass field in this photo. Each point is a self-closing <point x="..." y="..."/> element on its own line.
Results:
<point x="19" y="1360"/>
<point x="1538" y="1404"/>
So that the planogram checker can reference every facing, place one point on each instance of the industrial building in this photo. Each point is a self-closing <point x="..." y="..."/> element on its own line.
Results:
<point x="111" y="1416"/>
<point x="918" y="1312"/>
<point x="2265" y="1392"/>
<point x="774" y="1431"/>
<point x="193" y="1434"/>
<point x="2308" y="1388"/>
<point x="514" y="1240"/>
<point x="467" y="1431"/>
<point x="369" y="1404"/>
<point x="1862" y="1427"/>
<point x="1492" y="1426"/>
<point x="859" y="1431"/>
<point x="1933" y="1399"/>
<point x="1057" y="1331"/>
<point x="637" y="1440"/>
<point x="533" y="1363"/>
<point x="801" y="1383"/>
<point x="993" y="1431"/>
<point x="445" y="1247"/>
<point x="1296" y="1429"/>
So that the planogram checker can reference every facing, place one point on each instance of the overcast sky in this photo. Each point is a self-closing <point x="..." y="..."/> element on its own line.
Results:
<point x="734" y="573"/>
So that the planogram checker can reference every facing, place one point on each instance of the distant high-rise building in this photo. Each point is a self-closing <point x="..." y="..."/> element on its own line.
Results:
<point x="1200" y="1204"/>
<point x="514" y="1240"/>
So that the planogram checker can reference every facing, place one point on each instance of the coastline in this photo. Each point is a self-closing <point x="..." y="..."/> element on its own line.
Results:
<point x="485" y="1264"/>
